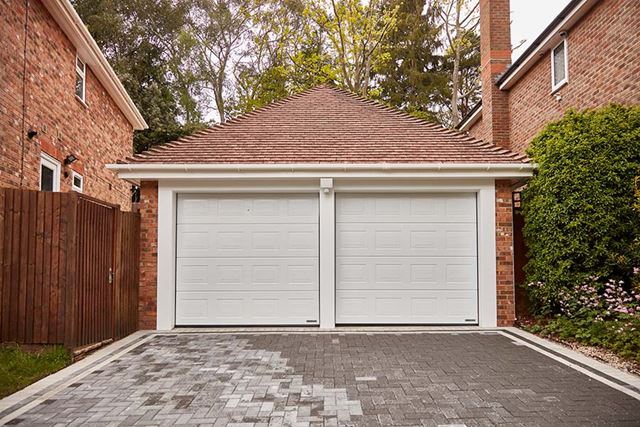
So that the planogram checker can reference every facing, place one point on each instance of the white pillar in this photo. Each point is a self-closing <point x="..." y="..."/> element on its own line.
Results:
<point x="166" y="258"/>
<point x="327" y="254"/>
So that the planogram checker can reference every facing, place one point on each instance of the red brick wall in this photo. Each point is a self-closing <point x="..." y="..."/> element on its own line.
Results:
<point x="604" y="65"/>
<point x="97" y="133"/>
<point x="148" y="254"/>
<point x="495" y="57"/>
<point x="504" y="254"/>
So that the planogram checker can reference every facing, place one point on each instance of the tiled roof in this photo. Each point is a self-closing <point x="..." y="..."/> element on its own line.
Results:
<point x="327" y="125"/>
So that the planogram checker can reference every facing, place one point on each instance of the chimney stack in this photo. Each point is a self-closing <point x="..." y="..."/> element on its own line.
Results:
<point x="495" y="58"/>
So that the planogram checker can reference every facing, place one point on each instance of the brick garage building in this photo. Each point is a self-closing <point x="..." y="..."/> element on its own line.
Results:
<point x="45" y="50"/>
<point x="324" y="209"/>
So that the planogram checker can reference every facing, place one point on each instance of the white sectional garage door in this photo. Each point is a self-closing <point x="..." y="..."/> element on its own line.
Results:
<point x="406" y="258"/>
<point x="247" y="260"/>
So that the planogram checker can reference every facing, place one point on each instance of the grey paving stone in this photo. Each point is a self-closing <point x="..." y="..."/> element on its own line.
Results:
<point x="335" y="380"/>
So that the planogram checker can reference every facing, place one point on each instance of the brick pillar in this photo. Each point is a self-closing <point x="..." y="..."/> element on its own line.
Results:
<point x="505" y="289"/>
<point x="147" y="297"/>
<point x="495" y="57"/>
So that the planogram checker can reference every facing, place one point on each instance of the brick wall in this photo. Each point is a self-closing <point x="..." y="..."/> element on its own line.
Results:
<point x="148" y="254"/>
<point x="604" y="65"/>
<point x="97" y="133"/>
<point x="505" y="288"/>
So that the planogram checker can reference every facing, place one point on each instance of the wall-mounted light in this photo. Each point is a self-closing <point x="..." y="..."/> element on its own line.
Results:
<point x="326" y="184"/>
<point x="31" y="133"/>
<point x="69" y="159"/>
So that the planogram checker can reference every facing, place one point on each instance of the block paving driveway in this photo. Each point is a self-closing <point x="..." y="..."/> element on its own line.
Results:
<point x="380" y="379"/>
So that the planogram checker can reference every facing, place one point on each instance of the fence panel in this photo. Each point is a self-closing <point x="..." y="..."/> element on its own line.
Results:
<point x="68" y="269"/>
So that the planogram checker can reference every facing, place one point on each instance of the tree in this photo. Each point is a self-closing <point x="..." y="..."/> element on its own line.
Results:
<point x="460" y="20"/>
<point x="411" y="75"/>
<point x="141" y="40"/>
<point x="356" y="32"/>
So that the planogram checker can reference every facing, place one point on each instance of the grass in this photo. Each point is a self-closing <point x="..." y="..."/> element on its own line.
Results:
<point x="20" y="367"/>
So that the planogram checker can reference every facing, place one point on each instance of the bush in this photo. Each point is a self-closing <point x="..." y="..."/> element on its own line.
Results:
<point x="580" y="220"/>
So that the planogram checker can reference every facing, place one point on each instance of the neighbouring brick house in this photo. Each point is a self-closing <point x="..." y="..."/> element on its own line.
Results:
<point x="595" y="45"/>
<point x="60" y="101"/>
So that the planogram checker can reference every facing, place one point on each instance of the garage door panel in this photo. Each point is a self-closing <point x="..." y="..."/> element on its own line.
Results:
<point x="406" y="239"/>
<point x="406" y="258"/>
<point x="229" y="274"/>
<point x="246" y="308"/>
<point x="238" y="209"/>
<point x="406" y="273"/>
<point x="247" y="259"/>
<point x="247" y="240"/>
<point x="406" y="306"/>
<point x="393" y="208"/>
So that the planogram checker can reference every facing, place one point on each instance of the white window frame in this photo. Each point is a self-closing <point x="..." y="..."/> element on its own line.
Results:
<point x="555" y="86"/>
<point x="51" y="163"/>
<point x="75" y="175"/>
<point x="83" y="73"/>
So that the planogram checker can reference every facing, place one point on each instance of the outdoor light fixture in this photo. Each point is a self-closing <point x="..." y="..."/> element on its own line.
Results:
<point x="70" y="159"/>
<point x="31" y="133"/>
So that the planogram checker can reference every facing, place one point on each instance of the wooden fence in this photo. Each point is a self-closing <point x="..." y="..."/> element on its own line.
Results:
<point x="68" y="269"/>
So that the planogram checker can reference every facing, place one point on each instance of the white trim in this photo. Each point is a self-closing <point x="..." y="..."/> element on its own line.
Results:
<point x="471" y="120"/>
<point x="51" y="163"/>
<point x="555" y="86"/>
<point x="82" y="72"/>
<point x="552" y="39"/>
<point x="67" y="18"/>
<point x="75" y="174"/>
<point x="307" y="170"/>
<point x="167" y="204"/>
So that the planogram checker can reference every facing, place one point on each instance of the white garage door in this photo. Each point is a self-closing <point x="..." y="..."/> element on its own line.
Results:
<point x="406" y="258"/>
<point x="247" y="260"/>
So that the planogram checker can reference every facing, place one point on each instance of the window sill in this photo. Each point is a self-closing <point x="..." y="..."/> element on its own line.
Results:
<point x="84" y="104"/>
<point x="559" y="86"/>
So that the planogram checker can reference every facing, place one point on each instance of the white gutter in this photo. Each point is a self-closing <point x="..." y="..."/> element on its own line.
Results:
<point x="67" y="18"/>
<point x="150" y="171"/>
<point x="548" y="42"/>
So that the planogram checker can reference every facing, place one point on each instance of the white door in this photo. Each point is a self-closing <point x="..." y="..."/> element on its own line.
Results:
<point x="406" y="258"/>
<point x="247" y="260"/>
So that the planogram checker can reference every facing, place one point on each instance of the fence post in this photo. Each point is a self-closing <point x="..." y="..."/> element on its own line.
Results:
<point x="71" y="291"/>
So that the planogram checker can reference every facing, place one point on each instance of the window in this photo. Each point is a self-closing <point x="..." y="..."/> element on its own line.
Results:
<point x="77" y="181"/>
<point x="559" y="66"/>
<point x="81" y="69"/>
<point x="49" y="173"/>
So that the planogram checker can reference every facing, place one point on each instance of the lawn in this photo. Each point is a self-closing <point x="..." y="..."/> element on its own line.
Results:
<point x="20" y="367"/>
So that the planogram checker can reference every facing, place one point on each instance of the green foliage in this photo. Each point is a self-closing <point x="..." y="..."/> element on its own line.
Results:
<point x="19" y="368"/>
<point x="622" y="336"/>
<point x="579" y="206"/>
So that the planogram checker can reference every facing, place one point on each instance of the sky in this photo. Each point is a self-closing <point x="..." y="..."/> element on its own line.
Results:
<point x="529" y="18"/>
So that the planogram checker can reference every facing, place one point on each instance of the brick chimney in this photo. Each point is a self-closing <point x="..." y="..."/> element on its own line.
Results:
<point x="495" y="57"/>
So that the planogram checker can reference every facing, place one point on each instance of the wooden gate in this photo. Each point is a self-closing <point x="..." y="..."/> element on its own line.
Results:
<point x="68" y="269"/>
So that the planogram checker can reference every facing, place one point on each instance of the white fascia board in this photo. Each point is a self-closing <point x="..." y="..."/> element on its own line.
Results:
<point x="334" y="170"/>
<point x="67" y="18"/>
<point x="471" y="120"/>
<point x="549" y="42"/>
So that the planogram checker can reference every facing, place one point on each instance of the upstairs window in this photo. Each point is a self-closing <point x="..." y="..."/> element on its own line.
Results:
<point x="559" y="65"/>
<point x="81" y="69"/>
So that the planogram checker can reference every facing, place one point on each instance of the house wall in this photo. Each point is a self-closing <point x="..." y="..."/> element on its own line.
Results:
<point x="96" y="133"/>
<point x="604" y="65"/>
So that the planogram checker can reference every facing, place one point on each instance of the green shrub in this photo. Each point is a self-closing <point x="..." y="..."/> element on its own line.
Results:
<point x="580" y="220"/>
